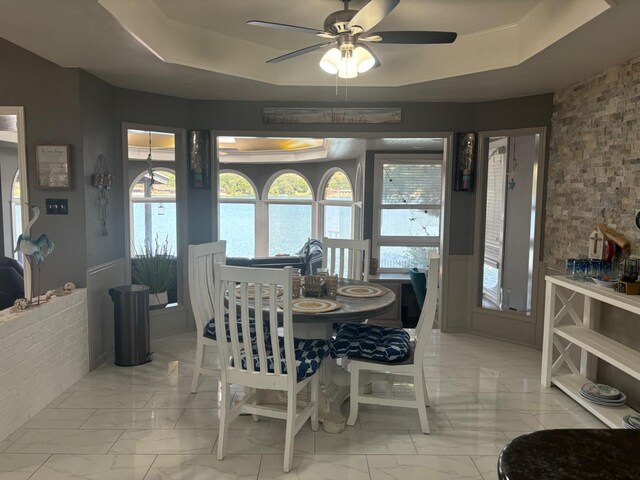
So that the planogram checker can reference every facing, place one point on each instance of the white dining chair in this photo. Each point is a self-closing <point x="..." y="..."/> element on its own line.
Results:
<point x="411" y="368"/>
<point x="201" y="261"/>
<point x="254" y="356"/>
<point x="348" y="258"/>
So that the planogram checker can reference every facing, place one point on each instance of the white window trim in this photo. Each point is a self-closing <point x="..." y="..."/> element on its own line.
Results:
<point x="14" y="203"/>
<point x="322" y="202"/>
<point x="402" y="241"/>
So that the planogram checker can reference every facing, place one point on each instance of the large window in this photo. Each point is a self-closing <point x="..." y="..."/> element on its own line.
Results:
<point x="408" y="199"/>
<point x="337" y="206"/>
<point x="290" y="213"/>
<point x="237" y="214"/>
<point x="153" y="210"/>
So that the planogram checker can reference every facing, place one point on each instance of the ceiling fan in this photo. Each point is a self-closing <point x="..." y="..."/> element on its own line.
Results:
<point x="350" y="32"/>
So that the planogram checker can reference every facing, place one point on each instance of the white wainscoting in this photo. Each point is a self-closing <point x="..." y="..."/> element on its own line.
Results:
<point x="99" y="280"/>
<point x="457" y="295"/>
<point x="43" y="351"/>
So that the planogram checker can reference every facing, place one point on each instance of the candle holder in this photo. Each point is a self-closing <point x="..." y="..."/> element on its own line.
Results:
<point x="296" y="283"/>
<point x="313" y="285"/>
<point x="331" y="286"/>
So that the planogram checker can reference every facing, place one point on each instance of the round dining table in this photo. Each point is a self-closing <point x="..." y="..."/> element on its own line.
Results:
<point x="335" y="380"/>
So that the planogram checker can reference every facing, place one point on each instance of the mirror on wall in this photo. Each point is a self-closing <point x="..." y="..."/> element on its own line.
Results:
<point x="510" y="170"/>
<point x="13" y="191"/>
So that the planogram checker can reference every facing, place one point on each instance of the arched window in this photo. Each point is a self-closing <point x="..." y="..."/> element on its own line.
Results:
<point x="290" y="205"/>
<point x="237" y="214"/>
<point x="337" y="205"/>
<point x="153" y="210"/>
<point x="16" y="213"/>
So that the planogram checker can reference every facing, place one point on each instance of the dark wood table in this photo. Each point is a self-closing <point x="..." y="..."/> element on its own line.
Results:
<point x="572" y="454"/>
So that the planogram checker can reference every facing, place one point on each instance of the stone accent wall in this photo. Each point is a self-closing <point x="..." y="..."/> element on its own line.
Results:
<point x="43" y="351"/>
<point x="594" y="162"/>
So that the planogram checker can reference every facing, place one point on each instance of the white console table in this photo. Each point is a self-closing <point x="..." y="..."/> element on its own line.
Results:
<point x="580" y="333"/>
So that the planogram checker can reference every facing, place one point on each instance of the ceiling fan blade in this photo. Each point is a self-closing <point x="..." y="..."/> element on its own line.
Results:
<point x="414" y="37"/>
<point x="372" y="14"/>
<point x="302" y="51"/>
<point x="284" y="26"/>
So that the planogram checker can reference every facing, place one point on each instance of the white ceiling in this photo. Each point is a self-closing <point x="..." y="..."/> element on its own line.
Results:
<point x="506" y="47"/>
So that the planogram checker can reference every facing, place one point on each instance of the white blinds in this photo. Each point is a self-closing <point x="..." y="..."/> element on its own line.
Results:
<point x="494" y="215"/>
<point x="412" y="184"/>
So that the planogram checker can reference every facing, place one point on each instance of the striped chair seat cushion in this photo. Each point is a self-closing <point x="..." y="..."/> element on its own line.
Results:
<point x="210" y="329"/>
<point x="309" y="354"/>
<point x="382" y="344"/>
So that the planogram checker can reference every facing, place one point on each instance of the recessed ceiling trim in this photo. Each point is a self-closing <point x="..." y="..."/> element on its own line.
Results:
<point x="500" y="47"/>
<point x="559" y="19"/>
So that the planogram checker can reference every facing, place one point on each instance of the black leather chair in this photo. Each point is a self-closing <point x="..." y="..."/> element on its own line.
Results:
<point x="308" y="259"/>
<point x="11" y="282"/>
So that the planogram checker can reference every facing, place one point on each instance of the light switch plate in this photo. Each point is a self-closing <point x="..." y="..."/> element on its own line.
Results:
<point x="57" y="206"/>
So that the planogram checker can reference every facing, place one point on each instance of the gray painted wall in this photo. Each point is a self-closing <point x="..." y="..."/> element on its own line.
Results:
<point x="100" y="138"/>
<point x="50" y="95"/>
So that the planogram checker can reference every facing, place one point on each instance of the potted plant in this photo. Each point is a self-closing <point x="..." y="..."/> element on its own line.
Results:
<point x="155" y="266"/>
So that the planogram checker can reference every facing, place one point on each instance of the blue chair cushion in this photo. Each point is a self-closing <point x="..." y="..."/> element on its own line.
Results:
<point x="210" y="329"/>
<point x="309" y="354"/>
<point x="382" y="344"/>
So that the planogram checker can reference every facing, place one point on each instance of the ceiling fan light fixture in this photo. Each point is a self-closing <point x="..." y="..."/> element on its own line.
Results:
<point x="363" y="59"/>
<point x="330" y="61"/>
<point x="348" y="68"/>
<point x="347" y="61"/>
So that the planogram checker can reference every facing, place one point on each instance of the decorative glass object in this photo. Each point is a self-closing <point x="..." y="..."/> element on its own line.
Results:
<point x="313" y="285"/>
<point x="374" y="263"/>
<point x="296" y="283"/>
<point x="570" y="267"/>
<point x="332" y="285"/>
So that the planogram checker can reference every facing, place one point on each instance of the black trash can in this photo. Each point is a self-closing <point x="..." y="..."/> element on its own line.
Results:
<point x="131" y="325"/>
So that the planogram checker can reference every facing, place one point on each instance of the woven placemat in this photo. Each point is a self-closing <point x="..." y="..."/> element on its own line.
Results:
<point x="360" y="291"/>
<point x="314" y="305"/>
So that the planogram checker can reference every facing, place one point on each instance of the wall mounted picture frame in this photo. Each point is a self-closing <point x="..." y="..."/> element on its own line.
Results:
<point x="53" y="167"/>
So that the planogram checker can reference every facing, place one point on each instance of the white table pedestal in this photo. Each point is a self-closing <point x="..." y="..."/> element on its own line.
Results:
<point x="334" y="380"/>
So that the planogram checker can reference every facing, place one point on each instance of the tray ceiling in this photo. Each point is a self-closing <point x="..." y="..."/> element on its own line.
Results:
<point x="204" y="50"/>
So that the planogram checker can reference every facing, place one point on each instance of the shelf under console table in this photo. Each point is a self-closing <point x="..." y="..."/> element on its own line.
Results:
<point x="580" y="332"/>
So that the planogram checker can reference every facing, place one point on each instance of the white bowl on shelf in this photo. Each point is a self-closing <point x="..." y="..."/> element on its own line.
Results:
<point x="603" y="283"/>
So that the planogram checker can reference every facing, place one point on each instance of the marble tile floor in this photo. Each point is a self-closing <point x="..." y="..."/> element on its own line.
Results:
<point x="143" y="423"/>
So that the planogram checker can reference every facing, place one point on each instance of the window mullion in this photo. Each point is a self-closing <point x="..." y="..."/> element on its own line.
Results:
<point x="262" y="229"/>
